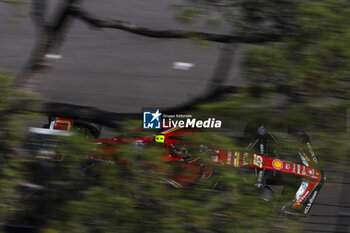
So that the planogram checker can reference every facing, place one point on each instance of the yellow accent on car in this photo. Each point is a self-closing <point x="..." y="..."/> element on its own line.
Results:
<point x="159" y="138"/>
<point x="176" y="183"/>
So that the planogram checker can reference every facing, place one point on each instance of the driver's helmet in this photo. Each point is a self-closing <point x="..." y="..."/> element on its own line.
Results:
<point x="178" y="151"/>
<point x="138" y="145"/>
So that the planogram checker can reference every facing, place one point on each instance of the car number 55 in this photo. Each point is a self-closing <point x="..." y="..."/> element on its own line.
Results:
<point x="258" y="160"/>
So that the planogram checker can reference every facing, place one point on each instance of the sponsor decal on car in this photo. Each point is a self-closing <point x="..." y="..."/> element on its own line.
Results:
<point x="262" y="150"/>
<point x="61" y="124"/>
<point x="303" y="172"/>
<point x="277" y="164"/>
<point x="245" y="160"/>
<point x="301" y="194"/>
<point x="298" y="169"/>
<point x="308" y="206"/>
<point x="303" y="159"/>
<point x="229" y="158"/>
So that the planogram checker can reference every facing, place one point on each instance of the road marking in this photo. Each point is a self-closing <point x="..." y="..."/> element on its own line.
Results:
<point x="53" y="56"/>
<point x="182" y="65"/>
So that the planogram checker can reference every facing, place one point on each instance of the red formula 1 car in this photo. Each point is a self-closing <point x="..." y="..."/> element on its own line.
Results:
<point x="269" y="166"/>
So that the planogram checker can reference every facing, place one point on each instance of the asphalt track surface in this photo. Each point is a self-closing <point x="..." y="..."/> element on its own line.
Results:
<point x="114" y="70"/>
<point x="120" y="72"/>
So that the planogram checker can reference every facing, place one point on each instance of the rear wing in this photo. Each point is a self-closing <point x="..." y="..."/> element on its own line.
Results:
<point x="43" y="142"/>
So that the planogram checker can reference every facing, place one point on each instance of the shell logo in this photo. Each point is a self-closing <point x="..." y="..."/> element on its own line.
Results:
<point x="277" y="164"/>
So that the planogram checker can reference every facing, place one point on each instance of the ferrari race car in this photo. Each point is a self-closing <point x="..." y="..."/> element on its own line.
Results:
<point x="260" y="158"/>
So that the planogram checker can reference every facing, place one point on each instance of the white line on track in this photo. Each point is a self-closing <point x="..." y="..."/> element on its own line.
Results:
<point x="53" y="56"/>
<point x="182" y="65"/>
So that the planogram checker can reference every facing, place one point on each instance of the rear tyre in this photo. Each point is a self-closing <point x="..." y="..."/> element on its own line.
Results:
<point x="89" y="130"/>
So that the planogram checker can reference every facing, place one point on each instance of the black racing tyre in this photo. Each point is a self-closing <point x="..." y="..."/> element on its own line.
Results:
<point x="266" y="193"/>
<point x="90" y="130"/>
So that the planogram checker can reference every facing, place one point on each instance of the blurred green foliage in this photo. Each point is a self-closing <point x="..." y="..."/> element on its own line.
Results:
<point x="133" y="198"/>
<point x="10" y="167"/>
<point x="19" y="7"/>
<point x="314" y="63"/>
<point x="16" y="3"/>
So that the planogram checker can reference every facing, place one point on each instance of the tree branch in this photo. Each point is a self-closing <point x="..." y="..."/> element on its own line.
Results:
<point x="38" y="13"/>
<point x="49" y="38"/>
<point x="170" y="34"/>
